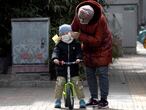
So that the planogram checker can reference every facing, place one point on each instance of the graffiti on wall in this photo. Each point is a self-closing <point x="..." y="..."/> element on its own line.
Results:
<point x="30" y="51"/>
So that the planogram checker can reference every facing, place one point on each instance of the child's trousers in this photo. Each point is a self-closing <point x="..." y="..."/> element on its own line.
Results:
<point x="60" y="86"/>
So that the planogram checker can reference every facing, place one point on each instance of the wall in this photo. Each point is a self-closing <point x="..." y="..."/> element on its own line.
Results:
<point x="142" y="11"/>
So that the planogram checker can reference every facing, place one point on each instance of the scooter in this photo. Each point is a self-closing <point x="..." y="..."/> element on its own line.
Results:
<point x="69" y="90"/>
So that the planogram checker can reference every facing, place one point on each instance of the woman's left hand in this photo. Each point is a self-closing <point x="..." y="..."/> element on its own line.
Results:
<point x="75" y="35"/>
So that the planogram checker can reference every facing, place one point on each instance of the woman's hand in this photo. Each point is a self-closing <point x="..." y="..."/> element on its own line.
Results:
<point x="75" y="35"/>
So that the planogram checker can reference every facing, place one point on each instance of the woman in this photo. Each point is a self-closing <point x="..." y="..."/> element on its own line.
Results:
<point x="92" y="30"/>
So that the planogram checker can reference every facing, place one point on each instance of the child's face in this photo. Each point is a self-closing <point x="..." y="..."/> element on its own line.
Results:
<point x="67" y="38"/>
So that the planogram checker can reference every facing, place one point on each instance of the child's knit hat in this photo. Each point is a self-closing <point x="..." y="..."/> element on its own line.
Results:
<point x="64" y="29"/>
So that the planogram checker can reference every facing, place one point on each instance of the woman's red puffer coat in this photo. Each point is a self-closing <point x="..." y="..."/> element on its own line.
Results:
<point x="95" y="36"/>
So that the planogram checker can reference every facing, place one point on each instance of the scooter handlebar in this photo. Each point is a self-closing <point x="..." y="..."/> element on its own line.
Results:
<point x="70" y="63"/>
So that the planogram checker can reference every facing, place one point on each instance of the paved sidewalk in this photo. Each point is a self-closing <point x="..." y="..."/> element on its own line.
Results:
<point x="127" y="89"/>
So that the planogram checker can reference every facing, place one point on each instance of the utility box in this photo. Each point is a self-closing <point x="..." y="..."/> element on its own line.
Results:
<point x="30" y="40"/>
<point x="126" y="13"/>
<point x="30" y="45"/>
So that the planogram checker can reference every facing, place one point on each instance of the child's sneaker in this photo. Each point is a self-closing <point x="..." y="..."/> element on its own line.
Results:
<point x="58" y="103"/>
<point x="103" y="104"/>
<point x="82" y="103"/>
<point x="92" y="102"/>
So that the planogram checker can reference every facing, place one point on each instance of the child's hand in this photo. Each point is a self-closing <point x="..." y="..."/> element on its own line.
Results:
<point x="62" y="62"/>
<point x="78" y="60"/>
<point x="56" y="61"/>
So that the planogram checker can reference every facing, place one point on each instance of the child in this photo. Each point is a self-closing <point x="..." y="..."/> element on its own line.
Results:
<point x="67" y="50"/>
